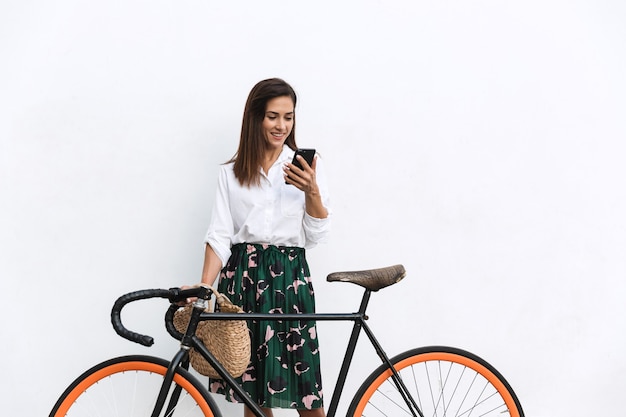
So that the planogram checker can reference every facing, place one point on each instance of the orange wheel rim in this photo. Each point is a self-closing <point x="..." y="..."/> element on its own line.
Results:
<point x="122" y="367"/>
<point x="449" y="357"/>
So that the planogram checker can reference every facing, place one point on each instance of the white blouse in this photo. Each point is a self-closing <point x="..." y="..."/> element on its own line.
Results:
<point x="273" y="212"/>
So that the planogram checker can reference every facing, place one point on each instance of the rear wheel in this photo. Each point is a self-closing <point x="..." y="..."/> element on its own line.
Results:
<point x="442" y="381"/>
<point x="128" y="386"/>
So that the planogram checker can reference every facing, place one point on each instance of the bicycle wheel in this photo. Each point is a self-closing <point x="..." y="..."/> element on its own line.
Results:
<point x="443" y="381"/>
<point x="128" y="386"/>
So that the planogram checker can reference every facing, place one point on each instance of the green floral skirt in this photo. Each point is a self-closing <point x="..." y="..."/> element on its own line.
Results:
<point x="284" y="370"/>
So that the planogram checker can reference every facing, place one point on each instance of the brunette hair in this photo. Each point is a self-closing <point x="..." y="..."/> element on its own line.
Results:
<point x="252" y="142"/>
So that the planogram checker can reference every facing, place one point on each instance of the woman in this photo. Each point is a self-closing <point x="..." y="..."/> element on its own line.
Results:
<point x="266" y="212"/>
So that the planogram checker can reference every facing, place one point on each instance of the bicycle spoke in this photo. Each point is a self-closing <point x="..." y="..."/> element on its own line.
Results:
<point x="441" y="384"/>
<point x="129" y="386"/>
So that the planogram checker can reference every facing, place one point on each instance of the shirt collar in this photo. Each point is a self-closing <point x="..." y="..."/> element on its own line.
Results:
<point x="286" y="155"/>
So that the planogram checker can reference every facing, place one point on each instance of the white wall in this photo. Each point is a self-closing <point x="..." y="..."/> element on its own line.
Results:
<point x="479" y="143"/>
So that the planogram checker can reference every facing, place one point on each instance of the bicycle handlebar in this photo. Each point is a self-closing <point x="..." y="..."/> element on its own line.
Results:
<point x="174" y="295"/>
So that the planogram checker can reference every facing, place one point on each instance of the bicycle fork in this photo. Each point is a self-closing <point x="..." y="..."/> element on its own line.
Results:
<point x="165" y="387"/>
<point x="182" y="357"/>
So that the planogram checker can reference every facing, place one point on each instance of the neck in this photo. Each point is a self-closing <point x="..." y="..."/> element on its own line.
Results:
<point x="271" y="155"/>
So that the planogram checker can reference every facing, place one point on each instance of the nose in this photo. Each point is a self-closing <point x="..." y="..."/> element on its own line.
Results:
<point x="280" y="124"/>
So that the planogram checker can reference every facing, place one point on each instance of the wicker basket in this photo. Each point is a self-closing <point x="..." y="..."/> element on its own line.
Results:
<point x="227" y="340"/>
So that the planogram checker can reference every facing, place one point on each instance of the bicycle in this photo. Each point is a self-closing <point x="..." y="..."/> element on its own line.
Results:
<point x="425" y="381"/>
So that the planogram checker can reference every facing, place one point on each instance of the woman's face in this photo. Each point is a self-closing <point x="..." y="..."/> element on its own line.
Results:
<point x="278" y="121"/>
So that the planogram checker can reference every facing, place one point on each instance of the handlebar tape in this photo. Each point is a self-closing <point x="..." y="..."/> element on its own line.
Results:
<point x="116" y="311"/>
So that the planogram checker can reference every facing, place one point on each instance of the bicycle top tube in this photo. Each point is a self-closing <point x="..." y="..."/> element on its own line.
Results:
<point x="371" y="280"/>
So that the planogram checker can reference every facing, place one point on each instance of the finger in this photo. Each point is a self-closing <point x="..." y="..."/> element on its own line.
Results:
<point x="304" y="163"/>
<point x="288" y="173"/>
<point x="293" y="172"/>
<point x="295" y="180"/>
<point x="314" y="163"/>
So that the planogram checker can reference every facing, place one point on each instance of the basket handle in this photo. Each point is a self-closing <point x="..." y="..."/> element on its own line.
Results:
<point x="220" y="298"/>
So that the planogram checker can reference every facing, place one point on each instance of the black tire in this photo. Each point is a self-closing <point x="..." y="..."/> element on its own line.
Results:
<point x="129" y="386"/>
<point x="443" y="381"/>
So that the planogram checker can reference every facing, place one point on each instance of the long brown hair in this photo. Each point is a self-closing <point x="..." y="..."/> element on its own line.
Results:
<point x="252" y="142"/>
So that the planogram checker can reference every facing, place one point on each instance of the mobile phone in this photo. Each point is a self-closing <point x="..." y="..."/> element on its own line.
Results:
<point x="307" y="154"/>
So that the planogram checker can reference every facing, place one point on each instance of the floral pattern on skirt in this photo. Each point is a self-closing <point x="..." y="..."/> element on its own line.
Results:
<point x="284" y="370"/>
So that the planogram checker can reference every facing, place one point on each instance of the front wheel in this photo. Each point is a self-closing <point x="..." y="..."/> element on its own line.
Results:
<point x="442" y="381"/>
<point x="128" y="386"/>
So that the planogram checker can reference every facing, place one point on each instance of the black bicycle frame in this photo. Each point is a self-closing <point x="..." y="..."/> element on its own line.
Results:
<point x="359" y="318"/>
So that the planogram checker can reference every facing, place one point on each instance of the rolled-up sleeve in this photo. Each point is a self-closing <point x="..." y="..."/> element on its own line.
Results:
<point x="316" y="230"/>
<point x="221" y="226"/>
